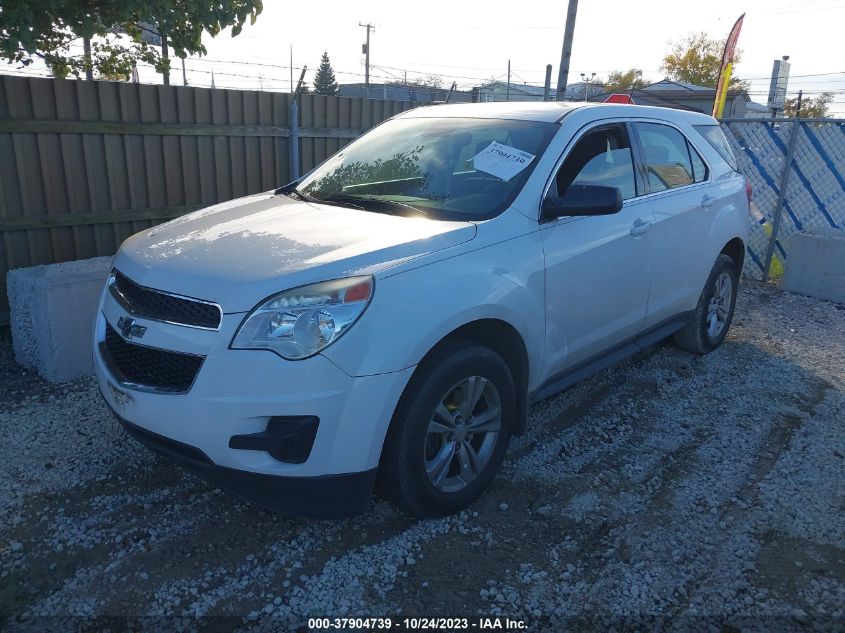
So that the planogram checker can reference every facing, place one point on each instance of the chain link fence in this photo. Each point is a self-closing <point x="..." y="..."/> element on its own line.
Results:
<point x="810" y="195"/>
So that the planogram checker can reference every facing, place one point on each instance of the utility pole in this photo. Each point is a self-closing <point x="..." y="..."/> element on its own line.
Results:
<point x="586" y="81"/>
<point x="366" y="51"/>
<point x="291" y="68"/>
<point x="566" y="51"/>
<point x="548" y="84"/>
<point x="508" y="98"/>
<point x="798" y="105"/>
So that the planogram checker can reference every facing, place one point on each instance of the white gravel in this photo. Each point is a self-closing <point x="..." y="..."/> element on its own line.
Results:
<point x="708" y="491"/>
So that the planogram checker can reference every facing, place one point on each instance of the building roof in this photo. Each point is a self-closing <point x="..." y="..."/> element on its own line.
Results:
<point x="753" y="106"/>
<point x="669" y="84"/>
<point x="515" y="87"/>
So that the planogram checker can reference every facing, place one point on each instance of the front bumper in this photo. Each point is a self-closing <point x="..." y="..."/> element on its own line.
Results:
<point x="326" y="497"/>
<point x="236" y="393"/>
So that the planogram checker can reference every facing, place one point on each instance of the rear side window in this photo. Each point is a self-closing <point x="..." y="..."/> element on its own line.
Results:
<point x="699" y="169"/>
<point x="667" y="157"/>
<point x="713" y="134"/>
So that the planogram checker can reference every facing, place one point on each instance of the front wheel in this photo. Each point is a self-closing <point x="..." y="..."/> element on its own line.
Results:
<point x="714" y="312"/>
<point x="450" y="431"/>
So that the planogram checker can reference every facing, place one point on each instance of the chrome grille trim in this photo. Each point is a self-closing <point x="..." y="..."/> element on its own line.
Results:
<point x="117" y="279"/>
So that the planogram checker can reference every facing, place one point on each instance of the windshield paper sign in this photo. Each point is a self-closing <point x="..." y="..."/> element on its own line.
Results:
<point x="502" y="161"/>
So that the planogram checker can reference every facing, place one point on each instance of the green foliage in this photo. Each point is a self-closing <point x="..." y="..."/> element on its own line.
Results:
<point x="402" y="165"/>
<point x="46" y="29"/>
<point x="697" y="60"/>
<point x="817" y="108"/>
<point x="625" y="80"/>
<point x="324" y="81"/>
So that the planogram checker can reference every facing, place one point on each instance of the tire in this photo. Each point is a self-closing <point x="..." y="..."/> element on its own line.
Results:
<point x="412" y="472"/>
<point x="700" y="335"/>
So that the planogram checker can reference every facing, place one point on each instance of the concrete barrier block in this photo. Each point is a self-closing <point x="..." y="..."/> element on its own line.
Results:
<point x="816" y="264"/>
<point x="52" y="316"/>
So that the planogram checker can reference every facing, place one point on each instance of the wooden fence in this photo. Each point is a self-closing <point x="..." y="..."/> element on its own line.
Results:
<point x="85" y="164"/>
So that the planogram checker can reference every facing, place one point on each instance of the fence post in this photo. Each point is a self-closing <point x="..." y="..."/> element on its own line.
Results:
<point x="294" y="140"/>
<point x="784" y="182"/>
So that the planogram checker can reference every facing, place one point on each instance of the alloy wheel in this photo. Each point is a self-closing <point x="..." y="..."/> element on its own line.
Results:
<point x="720" y="305"/>
<point x="462" y="433"/>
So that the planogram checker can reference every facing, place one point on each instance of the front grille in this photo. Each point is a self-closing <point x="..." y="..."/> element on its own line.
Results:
<point x="154" y="304"/>
<point x="147" y="367"/>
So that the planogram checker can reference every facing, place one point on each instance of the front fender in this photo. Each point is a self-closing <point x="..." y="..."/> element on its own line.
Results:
<point x="414" y="310"/>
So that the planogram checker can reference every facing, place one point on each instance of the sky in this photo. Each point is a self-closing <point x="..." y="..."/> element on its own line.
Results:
<point x="471" y="42"/>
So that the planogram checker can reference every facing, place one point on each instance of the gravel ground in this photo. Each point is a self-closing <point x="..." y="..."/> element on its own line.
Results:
<point x="672" y="491"/>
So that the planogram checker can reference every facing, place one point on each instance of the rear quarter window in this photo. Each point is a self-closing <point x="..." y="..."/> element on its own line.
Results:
<point x="713" y="134"/>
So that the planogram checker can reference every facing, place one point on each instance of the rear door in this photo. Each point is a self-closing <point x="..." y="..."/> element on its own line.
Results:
<point x="677" y="181"/>
<point x="597" y="267"/>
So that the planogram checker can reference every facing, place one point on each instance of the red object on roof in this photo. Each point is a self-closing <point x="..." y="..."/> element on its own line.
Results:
<point x="619" y="98"/>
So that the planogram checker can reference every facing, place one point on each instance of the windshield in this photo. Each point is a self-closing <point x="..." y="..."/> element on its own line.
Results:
<point x="449" y="168"/>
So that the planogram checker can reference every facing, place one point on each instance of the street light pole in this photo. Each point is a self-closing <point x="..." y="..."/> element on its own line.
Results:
<point x="586" y="81"/>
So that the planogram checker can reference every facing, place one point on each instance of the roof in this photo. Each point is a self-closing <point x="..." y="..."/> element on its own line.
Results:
<point x="548" y="111"/>
<point x="523" y="87"/>
<point x="684" y="91"/>
<point x="668" y="84"/>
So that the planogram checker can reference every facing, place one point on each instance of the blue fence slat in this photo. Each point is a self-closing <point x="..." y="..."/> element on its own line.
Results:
<point x="771" y="183"/>
<point x="800" y="174"/>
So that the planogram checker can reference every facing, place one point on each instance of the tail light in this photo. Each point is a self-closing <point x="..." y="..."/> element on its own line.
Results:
<point x="748" y="191"/>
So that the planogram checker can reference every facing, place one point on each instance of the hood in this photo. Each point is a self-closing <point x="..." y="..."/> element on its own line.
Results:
<point x="242" y="251"/>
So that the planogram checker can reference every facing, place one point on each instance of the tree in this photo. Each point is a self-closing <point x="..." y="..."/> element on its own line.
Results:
<point x="697" y="60"/>
<point x="625" y="80"/>
<point x="33" y="29"/>
<point x="817" y="108"/>
<point x="424" y="81"/>
<point x="324" y="81"/>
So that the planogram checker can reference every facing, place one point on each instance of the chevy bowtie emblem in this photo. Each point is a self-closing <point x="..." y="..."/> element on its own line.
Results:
<point x="129" y="329"/>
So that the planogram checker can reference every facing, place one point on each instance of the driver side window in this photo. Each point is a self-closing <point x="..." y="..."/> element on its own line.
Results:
<point x="600" y="157"/>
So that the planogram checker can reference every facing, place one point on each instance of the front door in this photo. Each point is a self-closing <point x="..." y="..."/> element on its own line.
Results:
<point x="598" y="269"/>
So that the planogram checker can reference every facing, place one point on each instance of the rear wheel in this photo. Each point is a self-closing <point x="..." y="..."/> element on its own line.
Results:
<point x="450" y="431"/>
<point x="713" y="314"/>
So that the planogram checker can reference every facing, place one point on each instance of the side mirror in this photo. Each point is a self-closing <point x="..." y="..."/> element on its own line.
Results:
<point x="583" y="200"/>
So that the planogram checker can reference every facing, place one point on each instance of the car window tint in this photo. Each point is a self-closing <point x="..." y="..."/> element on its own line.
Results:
<point x="714" y="135"/>
<point x="666" y="156"/>
<point x="601" y="157"/>
<point x="699" y="169"/>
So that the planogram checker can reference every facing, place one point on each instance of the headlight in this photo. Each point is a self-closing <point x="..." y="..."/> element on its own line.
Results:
<point x="299" y="323"/>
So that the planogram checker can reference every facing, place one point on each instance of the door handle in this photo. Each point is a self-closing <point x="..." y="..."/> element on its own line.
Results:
<point x="640" y="226"/>
<point x="707" y="200"/>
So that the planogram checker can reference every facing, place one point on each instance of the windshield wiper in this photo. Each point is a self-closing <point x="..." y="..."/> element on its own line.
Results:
<point x="373" y="203"/>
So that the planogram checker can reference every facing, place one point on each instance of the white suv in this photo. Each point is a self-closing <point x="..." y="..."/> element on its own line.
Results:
<point x="390" y="317"/>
